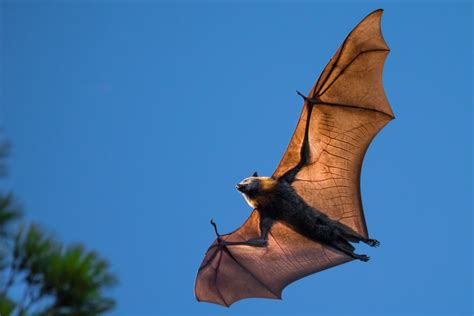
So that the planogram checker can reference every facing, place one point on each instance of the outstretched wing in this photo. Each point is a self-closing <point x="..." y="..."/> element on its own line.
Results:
<point x="235" y="272"/>
<point x="354" y="109"/>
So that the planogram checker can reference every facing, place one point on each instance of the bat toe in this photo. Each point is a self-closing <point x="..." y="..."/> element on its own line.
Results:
<point x="363" y="258"/>
<point x="373" y="243"/>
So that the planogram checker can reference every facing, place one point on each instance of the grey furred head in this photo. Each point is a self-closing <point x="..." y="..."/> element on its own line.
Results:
<point x="249" y="188"/>
<point x="256" y="190"/>
<point x="248" y="185"/>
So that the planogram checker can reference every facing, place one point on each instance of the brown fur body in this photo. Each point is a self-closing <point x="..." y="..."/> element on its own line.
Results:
<point x="277" y="200"/>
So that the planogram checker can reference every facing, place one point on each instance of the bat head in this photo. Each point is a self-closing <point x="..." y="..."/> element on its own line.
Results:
<point x="249" y="185"/>
<point x="254" y="187"/>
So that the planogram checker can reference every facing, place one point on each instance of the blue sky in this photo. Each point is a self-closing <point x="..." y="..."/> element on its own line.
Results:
<point x="132" y="122"/>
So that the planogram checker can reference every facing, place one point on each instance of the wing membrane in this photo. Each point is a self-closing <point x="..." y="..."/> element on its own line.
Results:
<point x="339" y="138"/>
<point x="236" y="272"/>
<point x="353" y="109"/>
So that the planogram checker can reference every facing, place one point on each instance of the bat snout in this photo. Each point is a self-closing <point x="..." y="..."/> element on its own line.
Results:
<point x="240" y="187"/>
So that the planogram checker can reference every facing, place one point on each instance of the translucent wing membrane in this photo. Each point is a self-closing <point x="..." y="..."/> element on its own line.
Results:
<point x="339" y="138"/>
<point x="236" y="272"/>
<point x="352" y="110"/>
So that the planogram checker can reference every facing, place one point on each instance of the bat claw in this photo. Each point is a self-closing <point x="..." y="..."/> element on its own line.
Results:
<point x="215" y="230"/>
<point x="302" y="95"/>
<point x="373" y="242"/>
<point x="306" y="99"/>
<point x="363" y="258"/>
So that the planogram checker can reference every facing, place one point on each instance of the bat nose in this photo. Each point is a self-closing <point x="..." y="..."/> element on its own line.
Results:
<point x="239" y="187"/>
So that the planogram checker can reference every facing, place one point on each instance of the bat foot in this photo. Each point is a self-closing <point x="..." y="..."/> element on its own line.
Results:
<point x="373" y="242"/>
<point x="363" y="258"/>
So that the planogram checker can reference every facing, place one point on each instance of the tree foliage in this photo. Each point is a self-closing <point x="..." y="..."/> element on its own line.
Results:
<point x="52" y="278"/>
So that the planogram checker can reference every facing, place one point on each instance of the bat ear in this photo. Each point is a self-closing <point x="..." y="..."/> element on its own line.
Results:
<point x="255" y="174"/>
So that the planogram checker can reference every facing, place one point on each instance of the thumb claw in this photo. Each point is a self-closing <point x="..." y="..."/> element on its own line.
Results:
<point x="215" y="229"/>
<point x="302" y="95"/>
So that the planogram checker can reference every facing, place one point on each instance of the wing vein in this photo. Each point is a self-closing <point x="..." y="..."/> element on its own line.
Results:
<point x="215" y="280"/>
<point x="354" y="107"/>
<point x="250" y="272"/>
<point x="348" y="65"/>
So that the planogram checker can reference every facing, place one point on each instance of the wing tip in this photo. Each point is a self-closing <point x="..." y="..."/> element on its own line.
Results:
<point x="377" y="12"/>
<point x="212" y="294"/>
<point x="375" y="18"/>
<point x="220" y="302"/>
<point x="377" y="15"/>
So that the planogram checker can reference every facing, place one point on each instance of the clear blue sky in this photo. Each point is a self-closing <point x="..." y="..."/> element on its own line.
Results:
<point x="132" y="122"/>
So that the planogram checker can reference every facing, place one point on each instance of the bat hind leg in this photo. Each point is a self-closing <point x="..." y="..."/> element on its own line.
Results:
<point x="345" y="247"/>
<point x="364" y="258"/>
<point x="352" y="236"/>
<point x="354" y="255"/>
<point x="355" y="237"/>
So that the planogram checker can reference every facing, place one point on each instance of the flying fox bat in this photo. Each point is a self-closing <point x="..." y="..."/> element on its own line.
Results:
<point x="307" y="214"/>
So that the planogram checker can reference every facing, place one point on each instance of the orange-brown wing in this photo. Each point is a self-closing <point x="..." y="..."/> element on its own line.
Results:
<point x="338" y="136"/>
<point x="235" y="272"/>
<point x="352" y="110"/>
